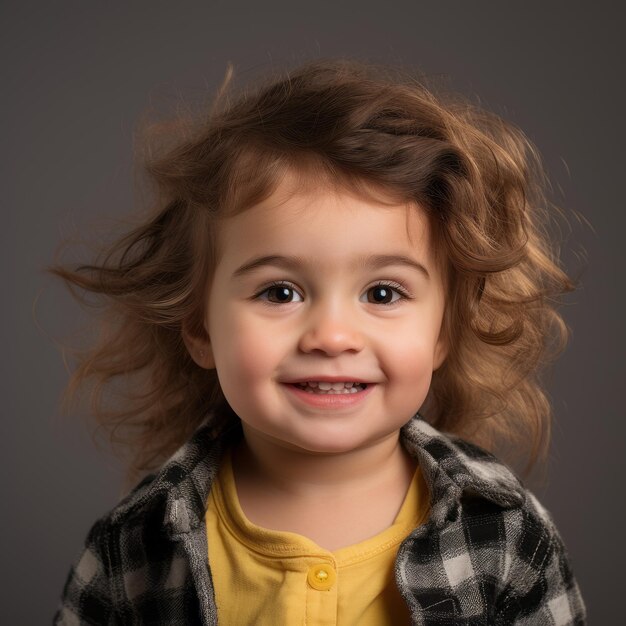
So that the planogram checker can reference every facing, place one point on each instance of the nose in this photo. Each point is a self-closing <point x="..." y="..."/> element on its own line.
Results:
<point x="331" y="329"/>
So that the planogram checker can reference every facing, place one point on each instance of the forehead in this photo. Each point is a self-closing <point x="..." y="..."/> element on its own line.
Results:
<point x="329" y="221"/>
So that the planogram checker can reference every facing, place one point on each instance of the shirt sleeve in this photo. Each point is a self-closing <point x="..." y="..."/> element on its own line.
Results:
<point x="541" y="588"/>
<point x="87" y="597"/>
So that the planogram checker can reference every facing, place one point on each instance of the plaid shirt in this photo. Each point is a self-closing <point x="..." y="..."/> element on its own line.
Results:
<point x="488" y="555"/>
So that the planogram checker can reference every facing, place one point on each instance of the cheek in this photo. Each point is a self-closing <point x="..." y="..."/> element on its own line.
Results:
<point x="411" y="362"/>
<point x="414" y="377"/>
<point x="243" y="351"/>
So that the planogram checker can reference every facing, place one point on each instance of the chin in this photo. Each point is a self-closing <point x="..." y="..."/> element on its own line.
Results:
<point x="331" y="444"/>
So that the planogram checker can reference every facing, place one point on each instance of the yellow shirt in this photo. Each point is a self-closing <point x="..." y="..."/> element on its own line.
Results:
<point x="264" y="576"/>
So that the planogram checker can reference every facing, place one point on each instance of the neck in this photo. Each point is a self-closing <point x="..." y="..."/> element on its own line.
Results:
<point x="301" y="474"/>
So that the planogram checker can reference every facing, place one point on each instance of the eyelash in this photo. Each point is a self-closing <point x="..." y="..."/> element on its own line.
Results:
<point x="397" y="287"/>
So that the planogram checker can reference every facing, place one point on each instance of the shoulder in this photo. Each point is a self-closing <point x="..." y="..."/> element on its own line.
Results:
<point x="507" y="564"/>
<point x="141" y="540"/>
<point x="472" y="491"/>
<point x="454" y="469"/>
<point x="178" y="490"/>
<point x="491" y="532"/>
<point x="464" y="476"/>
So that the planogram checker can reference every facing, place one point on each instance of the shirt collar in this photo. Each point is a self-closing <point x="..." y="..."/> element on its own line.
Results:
<point x="454" y="468"/>
<point x="451" y="467"/>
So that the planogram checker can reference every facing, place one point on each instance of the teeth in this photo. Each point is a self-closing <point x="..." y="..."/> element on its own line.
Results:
<point x="323" y="387"/>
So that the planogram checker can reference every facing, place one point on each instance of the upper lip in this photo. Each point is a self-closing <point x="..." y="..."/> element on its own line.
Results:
<point x="327" y="379"/>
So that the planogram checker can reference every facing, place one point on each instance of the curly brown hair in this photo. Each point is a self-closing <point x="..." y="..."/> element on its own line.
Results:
<point x="363" y="126"/>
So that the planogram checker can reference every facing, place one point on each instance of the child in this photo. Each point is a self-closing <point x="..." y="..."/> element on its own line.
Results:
<point x="334" y="251"/>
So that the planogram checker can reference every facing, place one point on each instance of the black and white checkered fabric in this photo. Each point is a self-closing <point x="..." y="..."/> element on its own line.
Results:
<point x="489" y="554"/>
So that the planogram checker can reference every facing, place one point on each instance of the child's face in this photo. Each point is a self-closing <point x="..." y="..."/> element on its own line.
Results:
<point x="332" y="255"/>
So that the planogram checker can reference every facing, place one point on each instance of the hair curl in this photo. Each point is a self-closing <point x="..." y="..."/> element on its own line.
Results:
<point x="362" y="126"/>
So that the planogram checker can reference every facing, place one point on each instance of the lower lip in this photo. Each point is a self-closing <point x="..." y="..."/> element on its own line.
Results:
<point x="330" y="400"/>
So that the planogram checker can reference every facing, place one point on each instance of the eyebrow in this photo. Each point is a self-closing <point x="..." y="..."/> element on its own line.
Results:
<point x="374" y="262"/>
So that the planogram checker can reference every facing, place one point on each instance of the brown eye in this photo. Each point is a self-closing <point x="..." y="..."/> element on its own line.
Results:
<point x="279" y="294"/>
<point x="385" y="294"/>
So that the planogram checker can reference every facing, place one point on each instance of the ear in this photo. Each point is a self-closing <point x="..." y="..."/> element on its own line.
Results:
<point x="199" y="347"/>
<point x="441" y="351"/>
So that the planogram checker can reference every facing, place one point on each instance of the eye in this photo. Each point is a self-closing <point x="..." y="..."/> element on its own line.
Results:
<point x="279" y="293"/>
<point x="386" y="293"/>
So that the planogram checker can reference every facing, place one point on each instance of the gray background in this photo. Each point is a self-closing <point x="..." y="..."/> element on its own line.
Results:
<point x="76" y="77"/>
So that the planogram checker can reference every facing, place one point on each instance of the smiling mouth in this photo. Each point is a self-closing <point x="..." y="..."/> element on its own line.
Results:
<point x="327" y="388"/>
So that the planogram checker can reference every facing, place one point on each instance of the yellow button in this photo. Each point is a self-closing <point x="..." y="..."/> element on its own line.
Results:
<point x="321" y="577"/>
